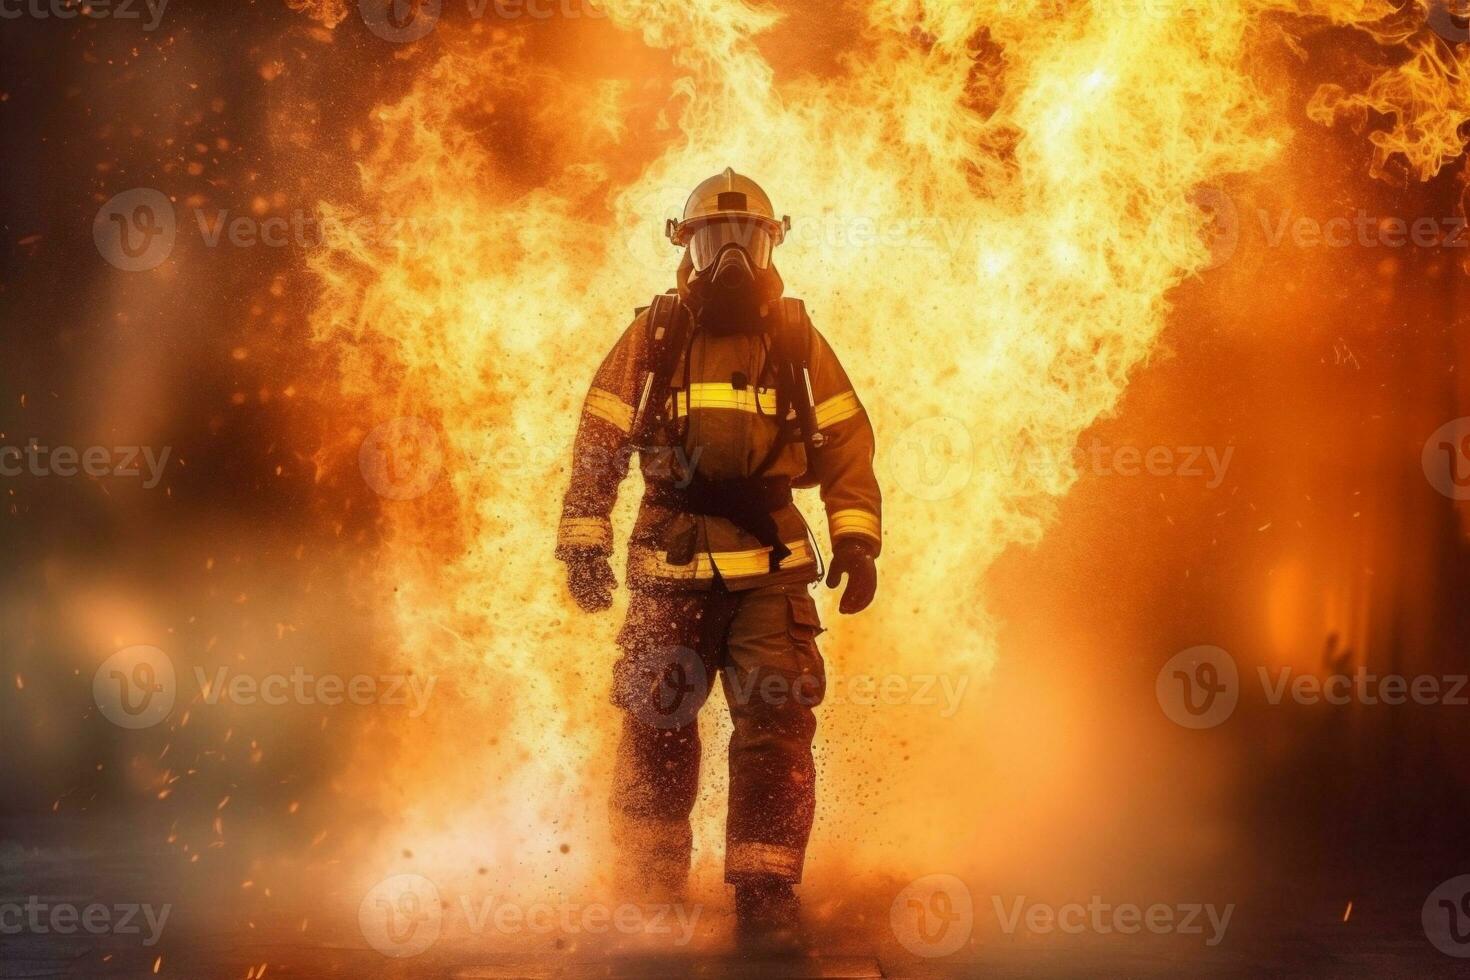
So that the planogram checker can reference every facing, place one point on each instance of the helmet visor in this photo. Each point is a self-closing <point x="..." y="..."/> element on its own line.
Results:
<point x="752" y="235"/>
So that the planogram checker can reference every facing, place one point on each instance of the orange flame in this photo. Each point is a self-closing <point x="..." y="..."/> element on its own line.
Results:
<point x="992" y="203"/>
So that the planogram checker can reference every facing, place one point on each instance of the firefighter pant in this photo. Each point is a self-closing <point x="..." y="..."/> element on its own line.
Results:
<point x="762" y="645"/>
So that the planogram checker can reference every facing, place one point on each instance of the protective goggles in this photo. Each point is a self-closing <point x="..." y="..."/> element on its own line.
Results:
<point x="756" y="237"/>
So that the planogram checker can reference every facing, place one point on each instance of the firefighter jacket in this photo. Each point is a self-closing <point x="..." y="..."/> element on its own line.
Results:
<point x="722" y="408"/>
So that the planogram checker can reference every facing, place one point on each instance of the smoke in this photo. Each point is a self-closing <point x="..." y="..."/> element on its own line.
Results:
<point x="993" y="204"/>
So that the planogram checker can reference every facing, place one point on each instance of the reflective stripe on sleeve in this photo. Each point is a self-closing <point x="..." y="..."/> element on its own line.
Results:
<point x="585" y="532"/>
<point x="854" y="522"/>
<point x="838" y="408"/>
<point x="610" y="408"/>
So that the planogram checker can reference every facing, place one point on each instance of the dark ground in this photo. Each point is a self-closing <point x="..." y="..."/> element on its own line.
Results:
<point x="1293" y="933"/>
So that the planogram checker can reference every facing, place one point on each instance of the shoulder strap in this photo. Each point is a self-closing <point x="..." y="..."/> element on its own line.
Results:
<point x="791" y="350"/>
<point x="668" y="329"/>
<point x="796" y="341"/>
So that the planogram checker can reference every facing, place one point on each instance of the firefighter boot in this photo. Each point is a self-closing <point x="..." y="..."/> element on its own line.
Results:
<point x="767" y="916"/>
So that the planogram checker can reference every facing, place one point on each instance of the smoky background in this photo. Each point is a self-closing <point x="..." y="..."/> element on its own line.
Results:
<point x="1324" y="548"/>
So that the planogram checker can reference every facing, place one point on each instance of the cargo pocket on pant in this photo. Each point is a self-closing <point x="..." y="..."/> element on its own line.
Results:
<point x="804" y="625"/>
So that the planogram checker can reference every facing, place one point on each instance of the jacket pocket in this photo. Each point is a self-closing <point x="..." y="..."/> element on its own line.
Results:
<point x="805" y="623"/>
<point x="682" y="544"/>
<point x="810" y="685"/>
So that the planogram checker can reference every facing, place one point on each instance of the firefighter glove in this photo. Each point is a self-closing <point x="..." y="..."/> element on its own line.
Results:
<point x="853" y="558"/>
<point x="590" y="580"/>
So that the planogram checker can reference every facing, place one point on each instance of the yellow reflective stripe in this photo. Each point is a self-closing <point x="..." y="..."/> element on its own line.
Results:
<point x="580" y="540"/>
<point x="838" y="408"/>
<point x="585" y="532"/>
<point x="854" y="522"/>
<point x="752" y="857"/>
<point x="610" y="408"/>
<point x="740" y="564"/>
<point x="732" y="564"/>
<point x="723" y="395"/>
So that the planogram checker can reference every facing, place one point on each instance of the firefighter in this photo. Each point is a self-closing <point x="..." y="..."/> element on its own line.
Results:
<point x="730" y="398"/>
